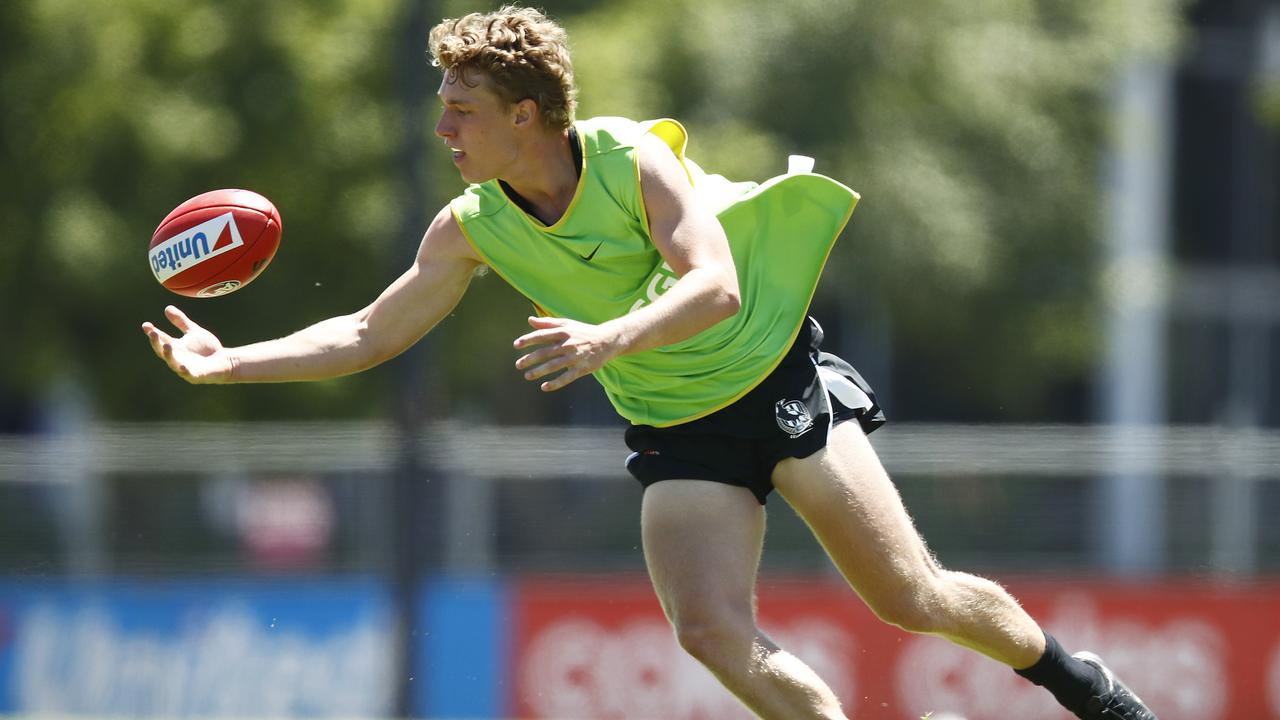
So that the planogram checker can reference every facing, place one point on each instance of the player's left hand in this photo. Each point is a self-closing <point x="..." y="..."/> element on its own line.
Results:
<point x="576" y="348"/>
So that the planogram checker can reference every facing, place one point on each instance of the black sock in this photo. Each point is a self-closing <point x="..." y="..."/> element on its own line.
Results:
<point x="1071" y="681"/>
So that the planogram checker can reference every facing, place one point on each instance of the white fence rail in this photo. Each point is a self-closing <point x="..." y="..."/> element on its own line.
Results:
<point x="539" y="453"/>
<point x="479" y="457"/>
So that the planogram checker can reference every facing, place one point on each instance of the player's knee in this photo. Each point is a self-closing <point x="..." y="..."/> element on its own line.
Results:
<point x="714" y="640"/>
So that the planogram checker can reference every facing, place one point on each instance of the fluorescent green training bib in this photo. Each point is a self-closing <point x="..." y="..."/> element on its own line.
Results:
<point x="598" y="262"/>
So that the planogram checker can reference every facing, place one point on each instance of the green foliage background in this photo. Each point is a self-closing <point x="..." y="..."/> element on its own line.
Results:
<point x="974" y="131"/>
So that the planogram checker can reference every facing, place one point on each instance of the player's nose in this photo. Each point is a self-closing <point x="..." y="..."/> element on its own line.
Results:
<point x="442" y="130"/>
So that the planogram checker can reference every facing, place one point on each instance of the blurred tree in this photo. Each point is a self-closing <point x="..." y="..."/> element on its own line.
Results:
<point x="975" y="132"/>
<point x="116" y="112"/>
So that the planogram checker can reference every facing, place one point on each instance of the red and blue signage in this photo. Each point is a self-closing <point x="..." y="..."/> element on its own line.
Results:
<point x="582" y="646"/>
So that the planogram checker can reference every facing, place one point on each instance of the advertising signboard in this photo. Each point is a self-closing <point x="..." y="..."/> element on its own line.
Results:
<point x="601" y="649"/>
<point x="278" y="648"/>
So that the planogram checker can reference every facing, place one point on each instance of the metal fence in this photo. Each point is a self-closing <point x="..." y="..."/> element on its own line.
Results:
<point x="986" y="494"/>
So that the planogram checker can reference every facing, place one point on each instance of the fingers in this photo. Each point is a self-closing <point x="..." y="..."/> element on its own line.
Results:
<point x="572" y="371"/>
<point x="545" y="322"/>
<point x="159" y="339"/>
<point x="540" y="355"/>
<point x="557" y="356"/>
<point x="179" y="319"/>
<point x="162" y="345"/>
<point x="546" y="335"/>
<point x="562" y="379"/>
<point x="545" y="361"/>
<point x="559" y="362"/>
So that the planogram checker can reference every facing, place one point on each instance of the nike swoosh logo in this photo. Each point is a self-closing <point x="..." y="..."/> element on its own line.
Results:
<point x="593" y="253"/>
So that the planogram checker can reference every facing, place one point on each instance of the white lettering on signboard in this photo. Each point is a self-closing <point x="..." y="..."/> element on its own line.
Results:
<point x="226" y="664"/>
<point x="1179" y="667"/>
<point x="578" y="668"/>
<point x="1273" y="681"/>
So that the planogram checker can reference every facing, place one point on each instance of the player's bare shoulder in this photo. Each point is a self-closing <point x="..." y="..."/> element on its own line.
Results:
<point x="668" y="194"/>
<point x="658" y="163"/>
<point x="444" y="241"/>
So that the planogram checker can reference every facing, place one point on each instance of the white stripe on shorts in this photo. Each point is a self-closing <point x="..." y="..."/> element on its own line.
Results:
<point x="843" y="389"/>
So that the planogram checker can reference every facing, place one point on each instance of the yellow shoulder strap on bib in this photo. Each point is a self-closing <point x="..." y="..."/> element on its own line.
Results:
<point x="674" y="135"/>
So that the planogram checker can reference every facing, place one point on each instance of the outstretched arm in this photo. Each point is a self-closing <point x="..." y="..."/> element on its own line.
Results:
<point x="693" y="243"/>
<point x="388" y="326"/>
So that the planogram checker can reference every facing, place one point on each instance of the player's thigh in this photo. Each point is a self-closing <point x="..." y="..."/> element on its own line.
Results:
<point x="847" y="499"/>
<point x="702" y="542"/>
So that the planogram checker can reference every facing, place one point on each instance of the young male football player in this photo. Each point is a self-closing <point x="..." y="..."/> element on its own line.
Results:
<point x="686" y="297"/>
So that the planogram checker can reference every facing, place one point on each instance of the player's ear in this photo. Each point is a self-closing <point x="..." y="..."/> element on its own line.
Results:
<point x="526" y="112"/>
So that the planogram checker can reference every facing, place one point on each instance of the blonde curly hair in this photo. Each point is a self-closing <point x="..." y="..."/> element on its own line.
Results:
<point x="523" y="51"/>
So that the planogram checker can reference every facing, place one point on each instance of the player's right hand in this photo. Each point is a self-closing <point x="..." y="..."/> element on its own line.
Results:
<point x="197" y="356"/>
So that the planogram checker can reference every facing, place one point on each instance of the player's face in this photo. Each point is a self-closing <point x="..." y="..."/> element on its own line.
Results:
<point x="477" y="125"/>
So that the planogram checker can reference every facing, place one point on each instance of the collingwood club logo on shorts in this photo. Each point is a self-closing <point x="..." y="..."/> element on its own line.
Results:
<point x="793" y="417"/>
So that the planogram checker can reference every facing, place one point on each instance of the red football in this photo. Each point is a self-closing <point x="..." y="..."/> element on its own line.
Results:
<point x="215" y="243"/>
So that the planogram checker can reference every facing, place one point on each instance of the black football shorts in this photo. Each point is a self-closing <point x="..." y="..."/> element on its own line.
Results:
<point x="787" y="415"/>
